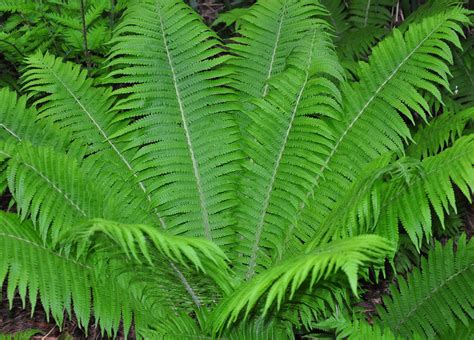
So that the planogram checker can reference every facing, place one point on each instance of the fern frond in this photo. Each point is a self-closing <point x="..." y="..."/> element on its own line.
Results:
<point x="268" y="33"/>
<point x="188" y="140"/>
<point x="462" y="82"/>
<point x="21" y="335"/>
<point x="51" y="187"/>
<point x="318" y="265"/>
<point x="33" y="269"/>
<point x="283" y="147"/>
<point x="441" y="132"/>
<point x="431" y="299"/>
<point x="410" y="201"/>
<point x="19" y="123"/>
<point x="69" y="98"/>
<point x="337" y="16"/>
<point x="399" y="66"/>
<point x="374" y="13"/>
<point x="135" y="242"/>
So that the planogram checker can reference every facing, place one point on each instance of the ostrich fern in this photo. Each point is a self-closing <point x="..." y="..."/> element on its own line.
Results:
<point x="238" y="190"/>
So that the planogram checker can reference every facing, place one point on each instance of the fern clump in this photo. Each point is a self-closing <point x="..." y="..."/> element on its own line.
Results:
<point x="241" y="188"/>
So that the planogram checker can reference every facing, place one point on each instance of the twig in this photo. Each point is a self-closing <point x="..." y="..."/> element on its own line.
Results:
<point x="44" y="337"/>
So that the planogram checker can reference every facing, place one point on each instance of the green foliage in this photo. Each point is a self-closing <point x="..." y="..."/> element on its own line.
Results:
<point x="241" y="188"/>
<point x="431" y="299"/>
<point x="57" y="25"/>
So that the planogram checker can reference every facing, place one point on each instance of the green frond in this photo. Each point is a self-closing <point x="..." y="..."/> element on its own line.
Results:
<point x="376" y="13"/>
<point x="22" y="335"/>
<point x="317" y="265"/>
<point x="181" y="105"/>
<point x="267" y="34"/>
<point x="399" y="67"/>
<point x="284" y="143"/>
<point x="16" y="5"/>
<point x="51" y="188"/>
<point x="231" y="17"/>
<point x="337" y="16"/>
<point x="62" y="284"/>
<point x="20" y="123"/>
<point x="462" y="82"/>
<point x="66" y="94"/>
<point x="440" y="133"/>
<point x="409" y="200"/>
<point x="357" y="44"/>
<point x="357" y="209"/>
<point x="135" y="241"/>
<point x="430" y="300"/>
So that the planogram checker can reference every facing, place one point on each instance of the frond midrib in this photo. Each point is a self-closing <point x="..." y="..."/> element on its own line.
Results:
<point x="10" y="132"/>
<point x="55" y="187"/>
<point x="275" y="48"/>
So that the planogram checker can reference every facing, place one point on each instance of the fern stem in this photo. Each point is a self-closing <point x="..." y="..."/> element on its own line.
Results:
<point x="187" y="286"/>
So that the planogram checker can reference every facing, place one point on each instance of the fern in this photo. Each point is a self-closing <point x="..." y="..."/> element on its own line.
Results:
<point x="433" y="186"/>
<point x="432" y="298"/>
<point x="262" y="50"/>
<point x="351" y="145"/>
<point x="345" y="256"/>
<point x="241" y="187"/>
<point x="442" y="131"/>
<point x="36" y="269"/>
<point x="195" y="147"/>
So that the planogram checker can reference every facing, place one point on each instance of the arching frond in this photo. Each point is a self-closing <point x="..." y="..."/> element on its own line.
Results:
<point x="268" y="33"/>
<point x="440" y="133"/>
<point x="284" y="150"/>
<point x="431" y="299"/>
<point x="398" y="68"/>
<point x="409" y="200"/>
<point x="62" y="284"/>
<point x="317" y="265"/>
<point x="137" y="240"/>
<point x="187" y="138"/>
<point x="51" y="188"/>
<point x="19" y="122"/>
<point x="69" y="98"/>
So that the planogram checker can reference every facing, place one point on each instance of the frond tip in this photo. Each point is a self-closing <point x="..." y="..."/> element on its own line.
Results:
<point x="135" y="241"/>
